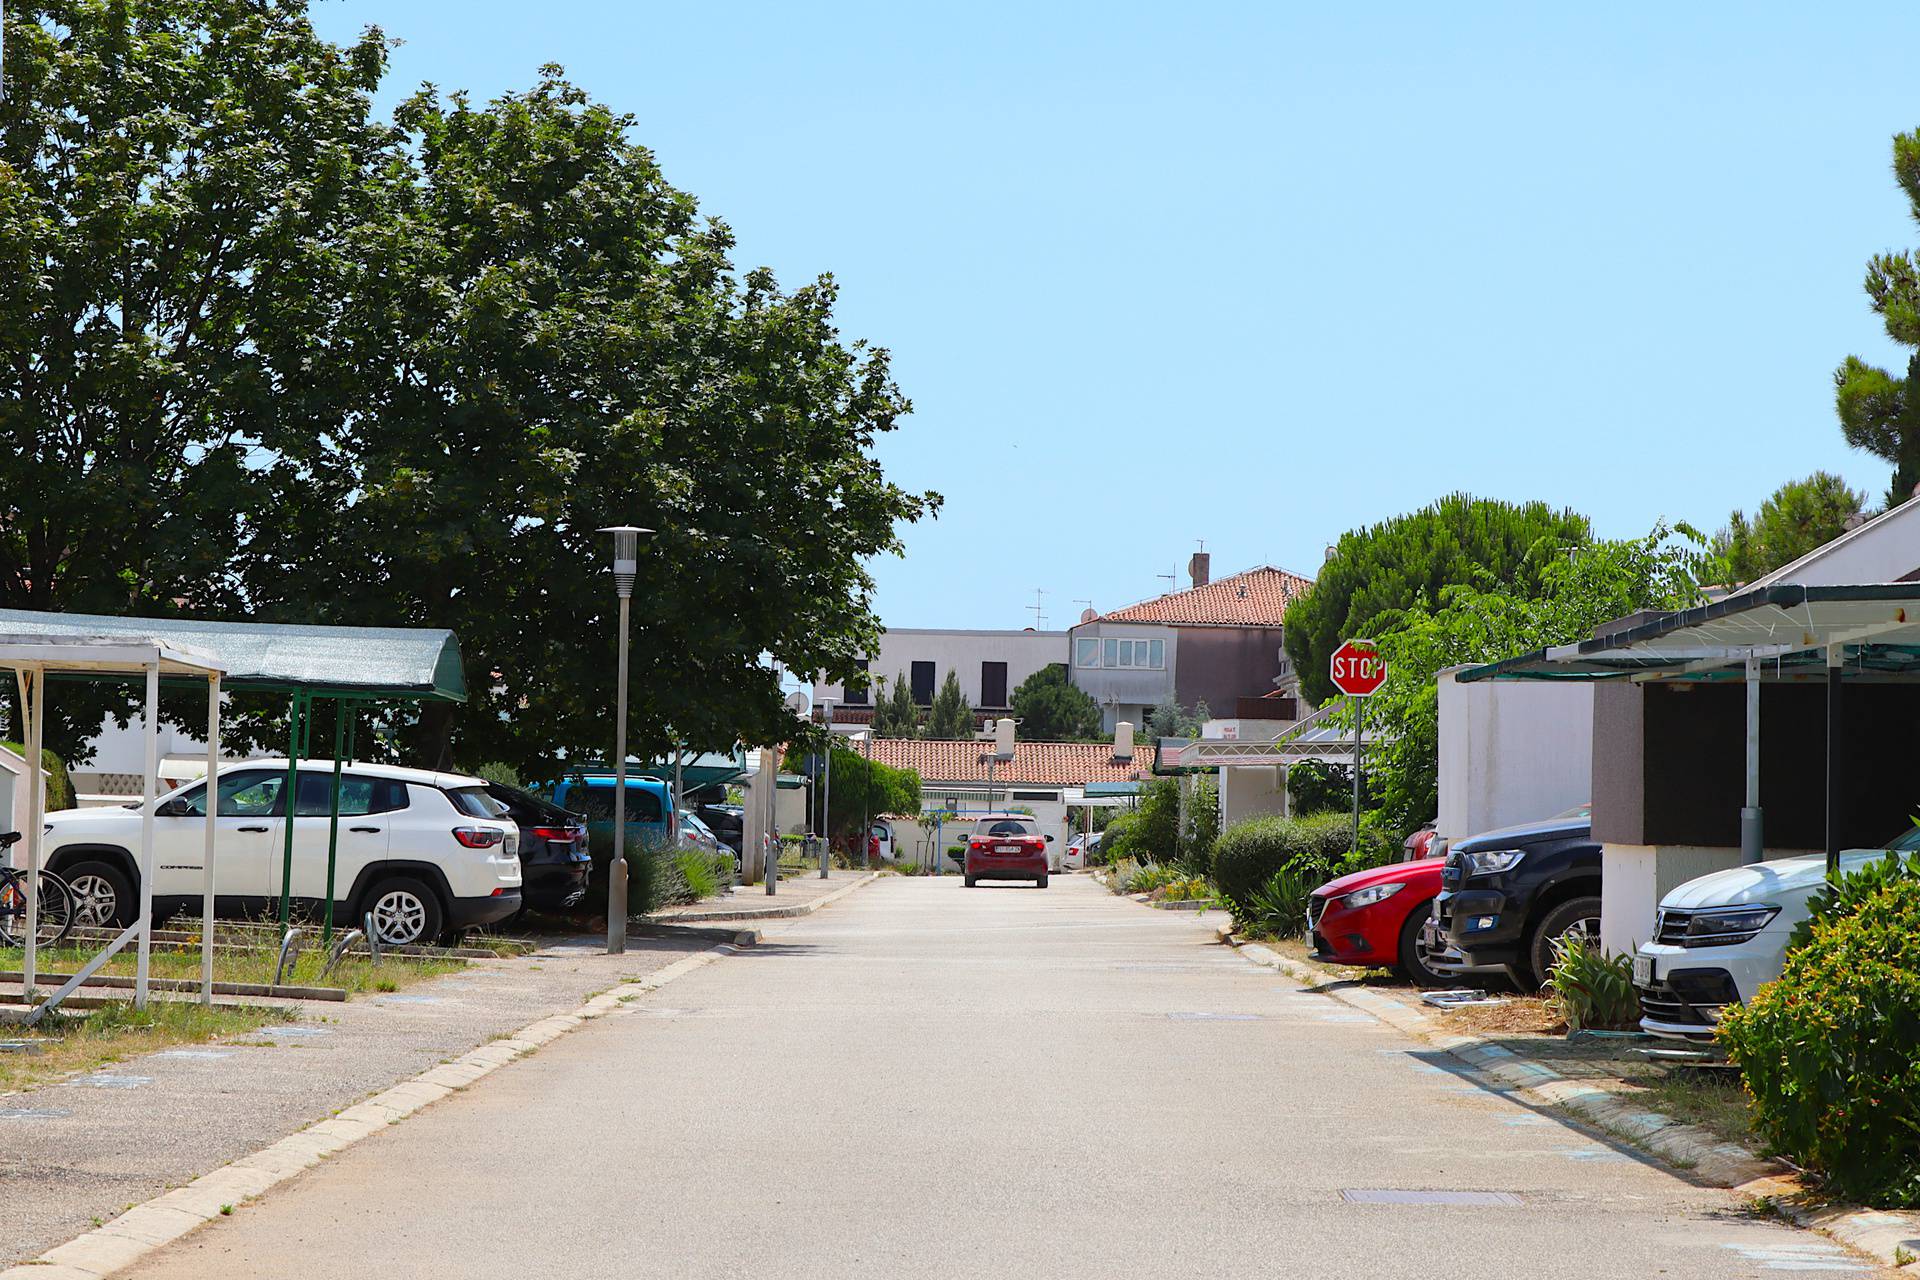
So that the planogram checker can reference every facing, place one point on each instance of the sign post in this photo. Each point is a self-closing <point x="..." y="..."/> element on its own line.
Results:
<point x="1358" y="671"/>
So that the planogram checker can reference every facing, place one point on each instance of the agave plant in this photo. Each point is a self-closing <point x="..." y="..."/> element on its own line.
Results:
<point x="1591" y="989"/>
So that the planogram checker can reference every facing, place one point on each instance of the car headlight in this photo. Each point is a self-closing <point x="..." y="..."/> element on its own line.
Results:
<point x="1492" y="861"/>
<point x="1724" y="926"/>
<point x="1371" y="894"/>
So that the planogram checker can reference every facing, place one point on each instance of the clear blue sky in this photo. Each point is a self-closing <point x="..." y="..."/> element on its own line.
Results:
<point x="1259" y="273"/>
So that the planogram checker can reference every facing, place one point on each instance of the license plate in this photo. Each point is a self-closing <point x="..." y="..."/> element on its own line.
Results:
<point x="1643" y="971"/>
<point x="1006" y="848"/>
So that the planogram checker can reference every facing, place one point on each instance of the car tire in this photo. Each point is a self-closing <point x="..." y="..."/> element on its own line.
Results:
<point x="970" y="882"/>
<point x="1040" y="882"/>
<point x="1413" y="953"/>
<point x="405" y="912"/>
<point x="103" y="894"/>
<point x="1575" y="915"/>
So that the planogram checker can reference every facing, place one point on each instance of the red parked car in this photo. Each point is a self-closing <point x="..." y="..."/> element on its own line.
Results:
<point x="1006" y="846"/>
<point x="1374" y="918"/>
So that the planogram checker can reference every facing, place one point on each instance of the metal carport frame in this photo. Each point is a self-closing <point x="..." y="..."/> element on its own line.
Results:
<point x="31" y="658"/>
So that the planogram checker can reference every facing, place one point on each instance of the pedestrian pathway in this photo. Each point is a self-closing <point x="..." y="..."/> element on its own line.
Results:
<point x="85" y="1148"/>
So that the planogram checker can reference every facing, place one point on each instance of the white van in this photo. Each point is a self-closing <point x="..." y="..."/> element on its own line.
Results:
<point x="1718" y="939"/>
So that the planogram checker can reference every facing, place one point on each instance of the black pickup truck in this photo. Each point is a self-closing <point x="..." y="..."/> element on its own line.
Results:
<point x="1508" y="895"/>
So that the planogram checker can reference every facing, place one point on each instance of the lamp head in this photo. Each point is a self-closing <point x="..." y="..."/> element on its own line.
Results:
<point x="626" y="555"/>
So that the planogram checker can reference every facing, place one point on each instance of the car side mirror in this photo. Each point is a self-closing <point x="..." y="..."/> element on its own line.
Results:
<point x="1049" y="839"/>
<point x="174" y="808"/>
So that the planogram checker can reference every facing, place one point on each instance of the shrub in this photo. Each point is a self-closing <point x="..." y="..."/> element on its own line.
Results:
<point x="1843" y="897"/>
<point x="1831" y="1051"/>
<point x="1250" y="852"/>
<point x="1591" y="989"/>
<point x="59" y="785"/>
<point x="1277" y="908"/>
<point x="1119" y="841"/>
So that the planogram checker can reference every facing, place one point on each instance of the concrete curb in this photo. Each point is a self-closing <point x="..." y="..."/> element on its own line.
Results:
<point x="1882" y="1236"/>
<point x="770" y="913"/>
<point x="160" y="1221"/>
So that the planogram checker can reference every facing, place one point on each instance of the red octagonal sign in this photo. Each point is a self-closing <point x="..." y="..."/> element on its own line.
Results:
<point x="1358" y="668"/>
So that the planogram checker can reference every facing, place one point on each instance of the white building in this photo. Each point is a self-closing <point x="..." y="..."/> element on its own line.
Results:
<point x="990" y="665"/>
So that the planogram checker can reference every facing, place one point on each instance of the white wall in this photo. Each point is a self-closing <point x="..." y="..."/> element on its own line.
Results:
<point x="123" y="751"/>
<point x="1512" y="751"/>
<point x="1251" y="791"/>
<point x="961" y="652"/>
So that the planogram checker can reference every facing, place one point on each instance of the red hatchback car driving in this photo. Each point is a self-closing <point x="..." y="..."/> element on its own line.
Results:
<point x="1374" y="918"/>
<point x="1006" y="846"/>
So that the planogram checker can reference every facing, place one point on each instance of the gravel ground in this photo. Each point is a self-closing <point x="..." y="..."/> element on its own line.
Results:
<point x="84" y="1149"/>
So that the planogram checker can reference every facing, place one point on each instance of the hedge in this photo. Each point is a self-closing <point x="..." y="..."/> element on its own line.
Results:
<point x="1250" y="852"/>
<point x="1831" y="1051"/>
<point x="59" y="785"/>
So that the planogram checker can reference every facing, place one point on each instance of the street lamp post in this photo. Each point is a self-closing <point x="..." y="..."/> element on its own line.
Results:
<point x="826" y="791"/>
<point x="626" y="562"/>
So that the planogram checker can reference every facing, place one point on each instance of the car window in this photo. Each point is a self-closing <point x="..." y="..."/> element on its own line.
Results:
<point x="1004" y="827"/>
<point x="359" y="795"/>
<point x="244" y="793"/>
<point x="643" y="805"/>
<point x="1908" y="839"/>
<point x="475" y="802"/>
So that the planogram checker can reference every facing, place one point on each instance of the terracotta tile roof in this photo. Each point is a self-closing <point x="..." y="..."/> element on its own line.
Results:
<point x="1256" y="598"/>
<point x="1040" y="763"/>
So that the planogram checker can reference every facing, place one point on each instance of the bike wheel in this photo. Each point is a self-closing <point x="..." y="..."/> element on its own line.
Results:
<point x="13" y="907"/>
<point x="57" y="910"/>
<point x="53" y="919"/>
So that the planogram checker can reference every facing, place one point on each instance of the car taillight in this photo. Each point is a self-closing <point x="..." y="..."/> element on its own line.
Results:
<point x="562" y="834"/>
<point x="478" y="837"/>
<point x="976" y="845"/>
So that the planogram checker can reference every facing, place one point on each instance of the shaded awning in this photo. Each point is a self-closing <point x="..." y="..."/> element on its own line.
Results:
<point x="1789" y="628"/>
<point x="1313" y="738"/>
<point x="419" y="663"/>
<point x="704" y="770"/>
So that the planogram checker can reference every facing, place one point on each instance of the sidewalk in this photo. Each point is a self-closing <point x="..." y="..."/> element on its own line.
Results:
<point x="795" y="895"/>
<point x="81" y="1150"/>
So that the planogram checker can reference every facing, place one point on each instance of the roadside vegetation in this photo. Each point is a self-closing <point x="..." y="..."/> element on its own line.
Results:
<point x="86" y="1040"/>
<point x="355" y="973"/>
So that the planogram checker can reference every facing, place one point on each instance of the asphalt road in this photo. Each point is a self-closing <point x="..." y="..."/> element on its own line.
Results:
<point x="926" y="1080"/>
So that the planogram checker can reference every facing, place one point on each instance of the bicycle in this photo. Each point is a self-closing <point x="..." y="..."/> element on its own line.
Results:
<point x="55" y="917"/>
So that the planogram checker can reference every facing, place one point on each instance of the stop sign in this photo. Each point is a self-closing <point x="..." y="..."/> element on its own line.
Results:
<point x="1358" y="669"/>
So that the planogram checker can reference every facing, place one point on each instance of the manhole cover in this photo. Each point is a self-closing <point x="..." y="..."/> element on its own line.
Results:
<point x="1446" y="1199"/>
<point x="106" y="1080"/>
<point x="1214" y="1017"/>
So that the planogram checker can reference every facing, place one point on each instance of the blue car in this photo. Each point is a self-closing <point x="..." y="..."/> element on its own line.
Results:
<point x="650" y="817"/>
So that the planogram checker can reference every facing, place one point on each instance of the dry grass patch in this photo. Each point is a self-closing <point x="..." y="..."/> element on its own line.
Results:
<point x="86" y="1040"/>
<point x="252" y="964"/>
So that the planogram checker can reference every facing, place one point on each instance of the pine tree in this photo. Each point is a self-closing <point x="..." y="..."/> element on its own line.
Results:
<point x="894" y="715"/>
<point x="1878" y="411"/>
<point x="950" y="716"/>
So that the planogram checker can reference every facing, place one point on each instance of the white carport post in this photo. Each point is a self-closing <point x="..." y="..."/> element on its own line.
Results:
<point x="1752" y="827"/>
<point x="213" y="815"/>
<point x="33" y="689"/>
<point x="148" y="800"/>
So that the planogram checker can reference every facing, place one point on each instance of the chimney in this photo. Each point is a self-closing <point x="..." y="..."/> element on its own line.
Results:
<point x="1123" y="740"/>
<point x="1200" y="568"/>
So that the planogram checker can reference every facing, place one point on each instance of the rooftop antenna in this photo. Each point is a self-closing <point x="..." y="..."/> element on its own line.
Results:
<point x="1038" y="610"/>
<point x="1172" y="579"/>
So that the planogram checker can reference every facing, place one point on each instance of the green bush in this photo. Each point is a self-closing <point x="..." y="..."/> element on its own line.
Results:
<point x="59" y="785"/>
<point x="1842" y="897"/>
<point x="1593" y="990"/>
<point x="1120" y="841"/>
<point x="1830" y="1052"/>
<point x="1319" y="846"/>
<point x="1277" y="908"/>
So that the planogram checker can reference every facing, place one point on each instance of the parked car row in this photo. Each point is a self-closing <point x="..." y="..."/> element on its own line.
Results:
<point x="427" y="855"/>
<point x="1501" y="902"/>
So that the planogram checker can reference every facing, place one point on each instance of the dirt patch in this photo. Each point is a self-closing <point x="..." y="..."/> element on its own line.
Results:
<point x="1514" y="1015"/>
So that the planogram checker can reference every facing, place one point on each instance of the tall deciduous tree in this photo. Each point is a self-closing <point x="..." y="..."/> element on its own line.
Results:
<point x="949" y="716"/>
<point x="547" y="338"/>
<point x="1051" y="709"/>
<point x="1801" y="515"/>
<point x="1406" y="562"/>
<point x="1880" y="410"/>
<point x="182" y="185"/>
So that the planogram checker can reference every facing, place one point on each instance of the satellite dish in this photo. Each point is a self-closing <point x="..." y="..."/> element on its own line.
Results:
<point x="798" y="702"/>
<point x="1088" y="615"/>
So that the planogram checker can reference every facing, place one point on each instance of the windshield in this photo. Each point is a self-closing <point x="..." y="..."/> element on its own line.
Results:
<point x="1003" y="827"/>
<point x="1907" y="840"/>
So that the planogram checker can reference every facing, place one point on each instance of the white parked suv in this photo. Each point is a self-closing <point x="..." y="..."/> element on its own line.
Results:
<point x="1717" y="939"/>
<point x="428" y="854"/>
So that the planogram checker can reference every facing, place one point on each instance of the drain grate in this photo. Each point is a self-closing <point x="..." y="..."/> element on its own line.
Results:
<point x="1447" y="1199"/>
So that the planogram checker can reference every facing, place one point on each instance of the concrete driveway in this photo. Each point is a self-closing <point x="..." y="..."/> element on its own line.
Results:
<point x="926" y="1080"/>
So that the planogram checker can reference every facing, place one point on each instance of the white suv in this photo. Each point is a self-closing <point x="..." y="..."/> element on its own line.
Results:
<point x="428" y="854"/>
<point x="1718" y="939"/>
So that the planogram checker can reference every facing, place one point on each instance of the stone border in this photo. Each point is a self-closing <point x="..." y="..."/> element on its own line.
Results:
<point x="1880" y="1235"/>
<point x="771" y="913"/>
<point x="160" y="1221"/>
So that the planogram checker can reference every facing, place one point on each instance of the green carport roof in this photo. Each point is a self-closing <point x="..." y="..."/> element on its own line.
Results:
<point x="417" y="663"/>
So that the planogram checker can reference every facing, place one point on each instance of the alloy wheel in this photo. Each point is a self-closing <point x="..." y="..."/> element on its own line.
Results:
<point x="1586" y="929"/>
<point x="399" y="917"/>
<point x="95" y="902"/>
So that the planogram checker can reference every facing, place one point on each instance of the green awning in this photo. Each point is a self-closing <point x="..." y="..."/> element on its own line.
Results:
<point x="416" y="663"/>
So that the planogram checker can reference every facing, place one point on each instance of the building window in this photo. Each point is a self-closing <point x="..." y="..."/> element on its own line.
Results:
<point x="1122" y="654"/>
<point x="1087" y="651"/>
<point x="922" y="677"/>
<point x="993" y="684"/>
<point x="1110" y="653"/>
<point x="854" y="692"/>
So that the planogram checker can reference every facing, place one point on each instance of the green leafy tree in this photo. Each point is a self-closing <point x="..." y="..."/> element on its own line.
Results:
<point x="546" y="337"/>
<point x="1169" y="719"/>
<point x="867" y="787"/>
<point x="949" y="716"/>
<point x="1879" y="411"/>
<point x="1051" y="709"/>
<point x="1577" y="593"/>
<point x="1801" y="515"/>
<point x="894" y="715"/>
<point x="1408" y="561"/>
<point x="182" y="187"/>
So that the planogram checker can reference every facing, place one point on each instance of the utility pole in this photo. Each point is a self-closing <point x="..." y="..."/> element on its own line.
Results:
<point x="626" y="557"/>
